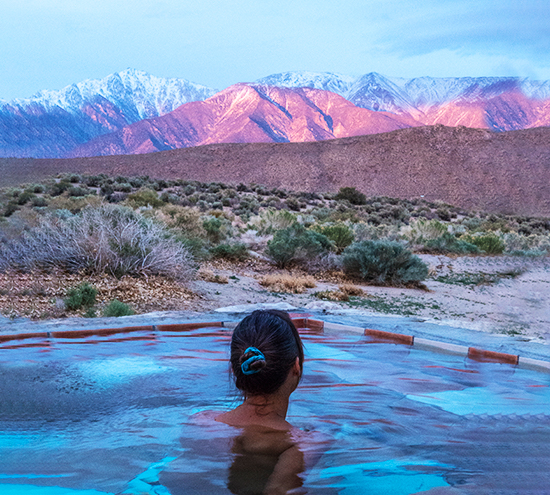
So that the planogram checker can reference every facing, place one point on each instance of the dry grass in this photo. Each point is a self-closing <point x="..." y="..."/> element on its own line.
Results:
<point x="351" y="290"/>
<point x="342" y="294"/>
<point x="283" y="282"/>
<point x="209" y="276"/>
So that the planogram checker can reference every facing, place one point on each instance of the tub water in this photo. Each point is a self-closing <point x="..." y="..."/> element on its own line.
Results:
<point x="111" y="415"/>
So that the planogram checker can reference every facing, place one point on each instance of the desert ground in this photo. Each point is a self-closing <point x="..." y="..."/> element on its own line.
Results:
<point x="502" y="295"/>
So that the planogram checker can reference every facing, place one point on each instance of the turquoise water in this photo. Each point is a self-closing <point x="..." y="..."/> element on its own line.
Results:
<point x="111" y="416"/>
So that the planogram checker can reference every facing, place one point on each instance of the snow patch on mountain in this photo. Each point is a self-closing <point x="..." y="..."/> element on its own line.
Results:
<point x="328" y="81"/>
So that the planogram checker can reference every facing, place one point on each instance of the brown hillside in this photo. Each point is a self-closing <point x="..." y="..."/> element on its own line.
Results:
<point x="473" y="168"/>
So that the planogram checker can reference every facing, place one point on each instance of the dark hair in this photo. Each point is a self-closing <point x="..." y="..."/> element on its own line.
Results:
<point x="273" y="333"/>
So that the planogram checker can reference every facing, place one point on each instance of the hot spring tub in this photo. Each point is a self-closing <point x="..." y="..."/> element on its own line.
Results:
<point x="115" y="415"/>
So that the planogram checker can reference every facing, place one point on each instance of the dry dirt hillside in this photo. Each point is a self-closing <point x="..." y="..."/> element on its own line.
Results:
<point x="472" y="168"/>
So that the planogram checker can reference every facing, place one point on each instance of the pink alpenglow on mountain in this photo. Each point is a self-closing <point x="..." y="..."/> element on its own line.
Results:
<point x="248" y="113"/>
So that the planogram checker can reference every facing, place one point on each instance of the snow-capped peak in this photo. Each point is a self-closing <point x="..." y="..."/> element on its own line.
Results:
<point x="328" y="81"/>
<point x="138" y="93"/>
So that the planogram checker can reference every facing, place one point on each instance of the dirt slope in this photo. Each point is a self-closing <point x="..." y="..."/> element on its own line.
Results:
<point x="473" y="168"/>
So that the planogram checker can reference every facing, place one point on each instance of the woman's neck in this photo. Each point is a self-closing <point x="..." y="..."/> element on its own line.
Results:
<point x="269" y="411"/>
<point x="267" y="405"/>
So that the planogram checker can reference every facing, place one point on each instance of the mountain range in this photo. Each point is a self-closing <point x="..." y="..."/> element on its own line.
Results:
<point x="132" y="112"/>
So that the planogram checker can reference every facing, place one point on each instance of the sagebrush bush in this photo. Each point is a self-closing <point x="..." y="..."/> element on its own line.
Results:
<point x="217" y="229"/>
<point x="383" y="262"/>
<point x="339" y="233"/>
<point x="422" y="230"/>
<point x="351" y="194"/>
<point x="448" y="243"/>
<point x="296" y="244"/>
<point x="232" y="252"/>
<point x="118" y="308"/>
<point x="488" y="243"/>
<point x="143" y="197"/>
<point x="109" y="239"/>
<point x="271" y="220"/>
<point x="83" y="295"/>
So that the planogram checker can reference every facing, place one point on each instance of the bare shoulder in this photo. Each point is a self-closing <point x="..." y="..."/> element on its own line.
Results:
<point x="206" y="417"/>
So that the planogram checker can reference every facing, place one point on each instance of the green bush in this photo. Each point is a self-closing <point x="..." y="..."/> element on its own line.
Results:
<point x="489" y="243"/>
<point x="25" y="197"/>
<point x="39" y="201"/>
<point x="232" y="252"/>
<point x="11" y="208"/>
<point x="118" y="308"/>
<point x="383" y="262"/>
<point x="269" y="221"/>
<point x="448" y="243"/>
<point x="351" y="194"/>
<point x="339" y="233"/>
<point x="84" y="295"/>
<point x="58" y="188"/>
<point x="215" y="228"/>
<point x="144" y="197"/>
<point x="75" y="191"/>
<point x="296" y="244"/>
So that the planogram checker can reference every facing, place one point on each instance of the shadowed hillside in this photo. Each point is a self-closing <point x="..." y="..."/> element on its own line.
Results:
<point x="507" y="172"/>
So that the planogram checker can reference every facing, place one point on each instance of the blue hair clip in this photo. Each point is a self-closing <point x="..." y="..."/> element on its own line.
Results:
<point x="258" y="355"/>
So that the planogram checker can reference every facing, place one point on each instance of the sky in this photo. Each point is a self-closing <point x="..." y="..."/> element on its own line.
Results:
<point x="49" y="44"/>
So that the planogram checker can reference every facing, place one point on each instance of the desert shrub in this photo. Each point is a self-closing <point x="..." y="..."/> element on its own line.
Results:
<point x="74" y="205"/>
<point x="36" y="188"/>
<point x="117" y="308"/>
<point x="296" y="244"/>
<point x="168" y="197"/>
<point x="284" y="282"/>
<point x="144" y="197"/>
<point x="232" y="252"/>
<point x="11" y="208"/>
<point x="94" y="180"/>
<point x="421" y="230"/>
<point x="110" y="239"/>
<point x="74" y="178"/>
<point x="448" y="243"/>
<point x="214" y="228"/>
<point x="352" y="195"/>
<point x="24" y="198"/>
<point x="369" y="232"/>
<point x="293" y="204"/>
<point x="58" y="188"/>
<point x="84" y="295"/>
<point x="184" y="220"/>
<point x="383" y="262"/>
<point x="270" y="221"/>
<point x="522" y="245"/>
<point x="106" y="190"/>
<point x="489" y="243"/>
<point x="75" y="191"/>
<point x="339" y="233"/>
<point x="122" y="187"/>
<point x="39" y="201"/>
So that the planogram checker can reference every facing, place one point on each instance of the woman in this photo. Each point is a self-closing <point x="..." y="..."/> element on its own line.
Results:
<point x="266" y="359"/>
<point x="265" y="452"/>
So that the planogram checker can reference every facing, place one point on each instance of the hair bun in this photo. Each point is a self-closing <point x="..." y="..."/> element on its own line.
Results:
<point x="252" y="361"/>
